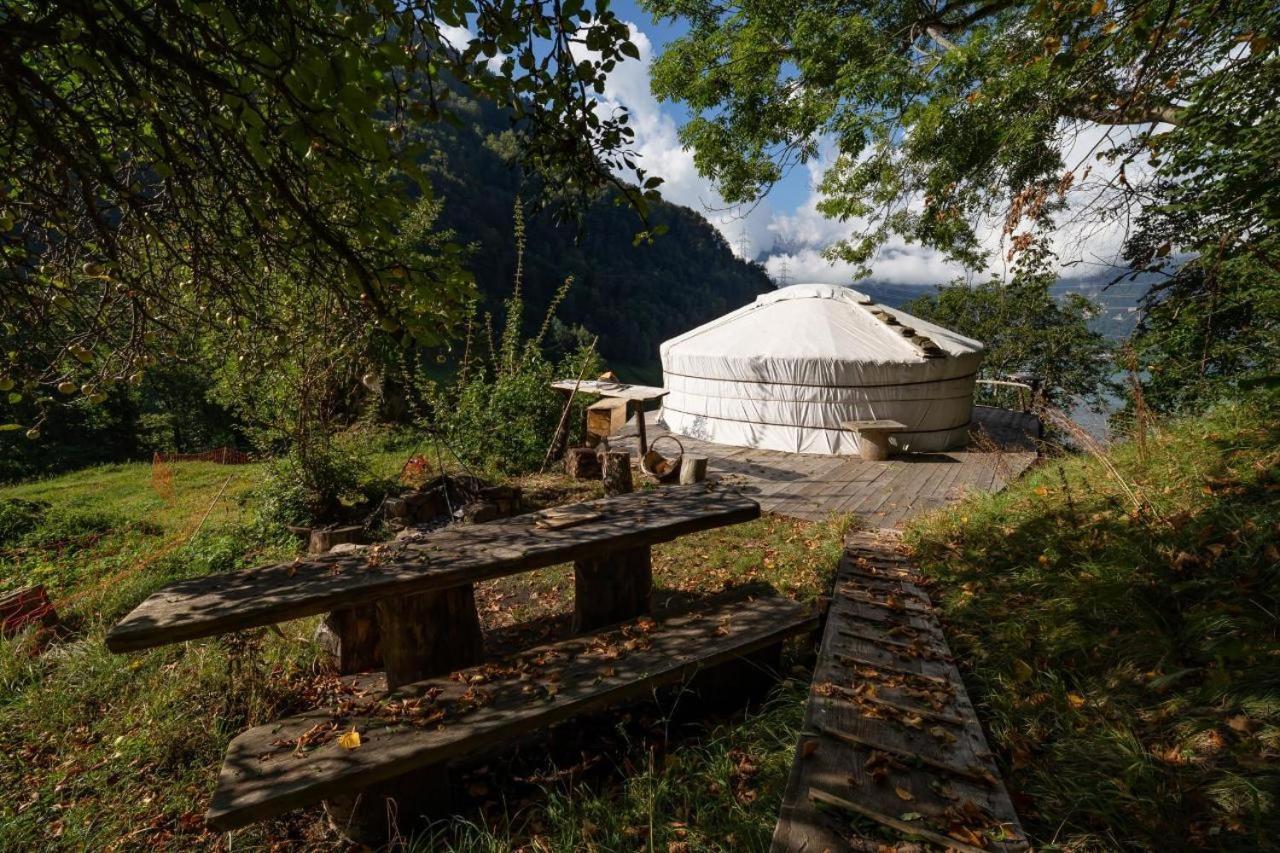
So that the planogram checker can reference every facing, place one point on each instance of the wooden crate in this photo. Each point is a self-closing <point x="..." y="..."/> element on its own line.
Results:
<point x="606" y="418"/>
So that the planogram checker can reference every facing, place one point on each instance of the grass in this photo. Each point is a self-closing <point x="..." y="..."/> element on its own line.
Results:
<point x="1120" y="642"/>
<point x="1125" y="657"/>
<point x="101" y="751"/>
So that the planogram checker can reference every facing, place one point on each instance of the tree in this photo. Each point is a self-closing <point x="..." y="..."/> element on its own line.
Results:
<point x="1026" y="330"/>
<point x="943" y="115"/>
<point x="161" y="165"/>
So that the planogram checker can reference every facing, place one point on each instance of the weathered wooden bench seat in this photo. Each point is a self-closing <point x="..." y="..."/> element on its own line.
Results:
<point x="431" y="722"/>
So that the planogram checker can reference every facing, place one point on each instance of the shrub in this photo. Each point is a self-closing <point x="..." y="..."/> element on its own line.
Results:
<point x="500" y="413"/>
<point x="316" y="485"/>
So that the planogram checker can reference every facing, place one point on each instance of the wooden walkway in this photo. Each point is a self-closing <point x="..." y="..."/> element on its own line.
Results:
<point x="881" y="494"/>
<point x="892" y="750"/>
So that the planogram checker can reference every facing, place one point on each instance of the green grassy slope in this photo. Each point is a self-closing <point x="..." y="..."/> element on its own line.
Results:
<point x="101" y="751"/>
<point x="1121" y="637"/>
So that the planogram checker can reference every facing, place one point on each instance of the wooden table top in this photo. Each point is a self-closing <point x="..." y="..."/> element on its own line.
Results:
<point x="231" y="601"/>
<point x="874" y="424"/>
<point x="620" y="390"/>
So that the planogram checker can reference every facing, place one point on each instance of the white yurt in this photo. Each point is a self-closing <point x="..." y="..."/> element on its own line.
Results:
<point x="783" y="372"/>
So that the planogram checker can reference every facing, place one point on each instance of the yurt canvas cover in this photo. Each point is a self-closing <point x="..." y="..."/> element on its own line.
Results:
<point x="784" y="371"/>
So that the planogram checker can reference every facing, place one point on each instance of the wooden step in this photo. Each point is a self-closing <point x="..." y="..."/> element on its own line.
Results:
<point x="440" y="719"/>
<point x="889" y="728"/>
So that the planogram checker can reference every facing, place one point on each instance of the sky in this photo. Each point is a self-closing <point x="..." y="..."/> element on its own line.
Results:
<point x="788" y="215"/>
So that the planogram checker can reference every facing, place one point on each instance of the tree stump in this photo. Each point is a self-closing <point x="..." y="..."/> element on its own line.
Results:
<point x="617" y="472"/>
<point x="693" y="469"/>
<point x="350" y="637"/>
<point x="431" y="633"/>
<point x="582" y="463"/>
<point x="324" y="538"/>
<point x="612" y="588"/>
<point x="391" y="809"/>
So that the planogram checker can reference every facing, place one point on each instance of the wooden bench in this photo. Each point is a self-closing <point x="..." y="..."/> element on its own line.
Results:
<point x="873" y="436"/>
<point x="413" y="599"/>
<point x="435" y="721"/>
<point x="410" y="605"/>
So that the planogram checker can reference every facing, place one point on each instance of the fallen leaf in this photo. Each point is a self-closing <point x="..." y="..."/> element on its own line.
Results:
<point x="1075" y="700"/>
<point x="1021" y="670"/>
<point x="903" y="794"/>
<point x="350" y="740"/>
<point x="809" y="748"/>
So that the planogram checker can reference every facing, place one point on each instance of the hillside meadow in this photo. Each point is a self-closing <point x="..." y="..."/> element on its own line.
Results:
<point x="1115" y="621"/>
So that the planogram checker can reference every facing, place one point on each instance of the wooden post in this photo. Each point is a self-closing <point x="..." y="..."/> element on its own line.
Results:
<point x="612" y="588"/>
<point x="351" y="638"/>
<point x="428" y="634"/>
<point x="617" y="472"/>
<point x="693" y="469"/>
<point x="640" y="428"/>
<point x="392" y="809"/>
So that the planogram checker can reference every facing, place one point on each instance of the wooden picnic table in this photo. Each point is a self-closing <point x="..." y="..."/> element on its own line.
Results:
<point x="418" y="593"/>
<point x="637" y="396"/>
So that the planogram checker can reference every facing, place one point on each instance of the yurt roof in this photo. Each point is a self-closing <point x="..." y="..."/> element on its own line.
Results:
<point x="821" y="322"/>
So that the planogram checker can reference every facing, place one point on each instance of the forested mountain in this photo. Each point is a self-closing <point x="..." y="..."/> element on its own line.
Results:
<point x="632" y="296"/>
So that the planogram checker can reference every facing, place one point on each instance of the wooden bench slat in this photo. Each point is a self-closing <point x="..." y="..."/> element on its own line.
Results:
<point x="218" y="604"/>
<point x="874" y="424"/>
<point x="262" y="778"/>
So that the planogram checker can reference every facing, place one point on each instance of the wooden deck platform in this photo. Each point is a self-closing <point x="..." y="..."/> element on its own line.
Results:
<point x="882" y="494"/>
<point x="891" y="749"/>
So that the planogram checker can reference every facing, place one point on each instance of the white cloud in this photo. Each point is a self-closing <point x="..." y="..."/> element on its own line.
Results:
<point x="459" y="37"/>
<point x="661" y="153"/>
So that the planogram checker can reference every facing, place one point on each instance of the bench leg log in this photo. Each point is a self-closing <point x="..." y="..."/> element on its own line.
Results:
<point x="612" y="588"/>
<point x="431" y="633"/>
<point x="743" y="682"/>
<point x="351" y="638"/>
<point x="393" y="809"/>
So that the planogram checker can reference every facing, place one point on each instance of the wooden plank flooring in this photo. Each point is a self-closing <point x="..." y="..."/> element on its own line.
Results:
<point x="881" y="494"/>
<point x="892" y="749"/>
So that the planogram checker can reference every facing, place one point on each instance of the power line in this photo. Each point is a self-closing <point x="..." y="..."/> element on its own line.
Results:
<point x="783" y="278"/>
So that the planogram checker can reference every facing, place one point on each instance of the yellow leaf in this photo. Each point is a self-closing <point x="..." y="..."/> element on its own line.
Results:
<point x="1021" y="670"/>
<point x="903" y="794"/>
<point x="1075" y="700"/>
<point x="1099" y="6"/>
<point x="350" y="740"/>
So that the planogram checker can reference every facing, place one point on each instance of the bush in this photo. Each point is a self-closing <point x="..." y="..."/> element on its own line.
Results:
<point x="317" y="484"/>
<point x="501" y="413"/>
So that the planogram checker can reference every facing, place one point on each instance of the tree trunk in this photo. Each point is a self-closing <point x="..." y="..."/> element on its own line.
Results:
<point x="431" y="633"/>
<point x="612" y="588"/>
<point x="617" y="472"/>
